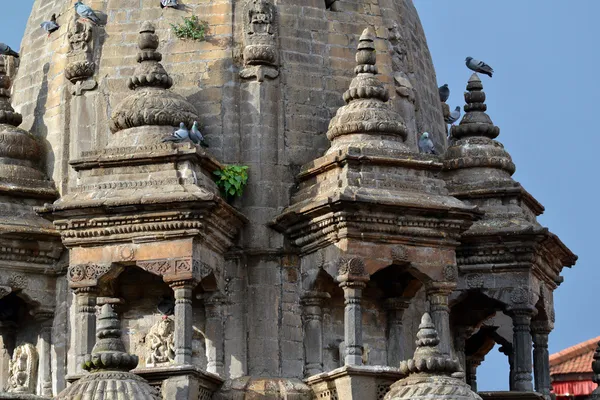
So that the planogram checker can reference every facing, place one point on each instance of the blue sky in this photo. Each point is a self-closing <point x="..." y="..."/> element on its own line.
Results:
<point x="545" y="55"/>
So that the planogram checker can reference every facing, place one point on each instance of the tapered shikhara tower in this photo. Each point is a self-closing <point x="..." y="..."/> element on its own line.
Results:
<point x="312" y="283"/>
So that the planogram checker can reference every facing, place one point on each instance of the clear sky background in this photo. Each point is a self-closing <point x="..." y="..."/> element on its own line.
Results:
<point x="546" y="57"/>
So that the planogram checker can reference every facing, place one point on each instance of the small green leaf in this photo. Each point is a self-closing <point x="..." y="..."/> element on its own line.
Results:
<point x="217" y="173"/>
<point x="232" y="191"/>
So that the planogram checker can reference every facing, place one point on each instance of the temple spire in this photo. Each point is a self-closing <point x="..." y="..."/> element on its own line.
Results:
<point x="7" y="112"/>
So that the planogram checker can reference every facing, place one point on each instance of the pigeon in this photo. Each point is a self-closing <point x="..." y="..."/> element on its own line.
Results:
<point x="5" y="50"/>
<point x="50" y="26"/>
<point x="166" y="306"/>
<point x="168" y="3"/>
<point x="86" y="12"/>
<point x="453" y="117"/>
<point x="425" y="144"/>
<point x="179" y="135"/>
<point x="444" y="92"/>
<point x="479" y="66"/>
<point x="196" y="135"/>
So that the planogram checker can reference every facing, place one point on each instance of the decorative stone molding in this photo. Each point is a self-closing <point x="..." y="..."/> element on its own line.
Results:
<point x="260" y="41"/>
<point x="160" y="343"/>
<point x="86" y="274"/>
<point x="352" y="271"/>
<point x="474" y="281"/>
<point x="399" y="254"/>
<point x="450" y="273"/>
<point x="23" y="370"/>
<point x="81" y="67"/>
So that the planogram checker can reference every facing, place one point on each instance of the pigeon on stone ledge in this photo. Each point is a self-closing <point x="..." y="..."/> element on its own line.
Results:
<point x="426" y="144"/>
<point x="86" y="12"/>
<point x="168" y="3"/>
<point x="196" y="135"/>
<point x="166" y="306"/>
<point x="444" y="92"/>
<point x="453" y="117"/>
<point x="179" y="135"/>
<point x="479" y="66"/>
<point x="50" y="26"/>
<point x="5" y="50"/>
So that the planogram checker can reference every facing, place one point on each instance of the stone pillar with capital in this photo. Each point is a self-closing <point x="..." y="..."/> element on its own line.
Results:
<point x="183" y="321"/>
<point x="312" y="318"/>
<point x="541" y="358"/>
<point x="214" y="332"/>
<point x="462" y="333"/>
<point x="522" y="347"/>
<point x="395" y="307"/>
<point x="46" y="319"/>
<point x="353" y="277"/>
<point x="437" y="294"/>
<point x="85" y="338"/>
<point x="472" y="363"/>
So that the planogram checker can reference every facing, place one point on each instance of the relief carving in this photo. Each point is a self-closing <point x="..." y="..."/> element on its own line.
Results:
<point x="450" y="273"/>
<point x="260" y="37"/>
<point x="474" y="281"/>
<point x="23" y="370"/>
<point x="81" y="67"/>
<point x="160" y="343"/>
<point x="86" y="272"/>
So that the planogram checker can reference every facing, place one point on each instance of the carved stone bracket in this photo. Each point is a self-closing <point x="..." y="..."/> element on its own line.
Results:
<point x="260" y="41"/>
<point x="177" y="269"/>
<point x="81" y="275"/>
<point x="81" y="67"/>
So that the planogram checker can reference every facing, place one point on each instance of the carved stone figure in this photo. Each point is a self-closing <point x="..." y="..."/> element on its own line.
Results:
<point x="160" y="343"/>
<point x="260" y="51"/>
<point x="23" y="370"/>
<point x="81" y="67"/>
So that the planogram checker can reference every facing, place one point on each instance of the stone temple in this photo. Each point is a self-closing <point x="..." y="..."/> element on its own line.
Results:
<point x="127" y="272"/>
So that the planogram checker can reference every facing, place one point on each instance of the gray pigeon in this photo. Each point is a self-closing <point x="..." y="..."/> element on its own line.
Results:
<point x="179" y="135"/>
<point x="168" y="3"/>
<point x="50" y="26"/>
<point x="425" y="144"/>
<point x="444" y="92"/>
<point x="5" y="50"/>
<point x="86" y="12"/>
<point x="479" y="66"/>
<point x="454" y="116"/>
<point x="196" y="135"/>
<point x="166" y="306"/>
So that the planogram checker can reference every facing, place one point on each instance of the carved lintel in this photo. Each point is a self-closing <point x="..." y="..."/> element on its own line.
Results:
<point x="81" y="275"/>
<point x="177" y="269"/>
<point x="260" y="72"/>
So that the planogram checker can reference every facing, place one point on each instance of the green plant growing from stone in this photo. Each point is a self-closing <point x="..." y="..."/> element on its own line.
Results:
<point x="191" y="28"/>
<point x="232" y="179"/>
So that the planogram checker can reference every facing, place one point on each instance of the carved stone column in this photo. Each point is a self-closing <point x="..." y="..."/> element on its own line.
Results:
<point x="312" y="314"/>
<point x="522" y="348"/>
<point x="471" y="373"/>
<point x="353" y="277"/>
<point x="45" y="351"/>
<point x="541" y="359"/>
<point x="85" y="298"/>
<point x="462" y="333"/>
<point x="8" y="330"/>
<point x="437" y="294"/>
<point x="183" y="321"/>
<point x="395" y="307"/>
<point x="214" y="333"/>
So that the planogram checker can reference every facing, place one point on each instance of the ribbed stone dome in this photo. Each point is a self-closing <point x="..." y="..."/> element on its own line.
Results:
<point x="431" y="374"/>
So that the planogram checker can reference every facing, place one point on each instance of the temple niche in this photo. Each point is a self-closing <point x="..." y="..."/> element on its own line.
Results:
<point x="124" y="264"/>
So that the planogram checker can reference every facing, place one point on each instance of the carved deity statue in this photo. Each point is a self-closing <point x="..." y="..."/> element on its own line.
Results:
<point x="260" y="15"/>
<point x="23" y="370"/>
<point x="160" y="343"/>
<point x="260" y="51"/>
<point x="81" y="66"/>
<point x="79" y="36"/>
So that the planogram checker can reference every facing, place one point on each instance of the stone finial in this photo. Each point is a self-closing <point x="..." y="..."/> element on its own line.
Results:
<point x="430" y="374"/>
<point x="428" y="358"/>
<point x="366" y="120"/>
<point x="475" y="122"/>
<point x="109" y="350"/>
<point x="7" y="113"/>
<point x="151" y="104"/>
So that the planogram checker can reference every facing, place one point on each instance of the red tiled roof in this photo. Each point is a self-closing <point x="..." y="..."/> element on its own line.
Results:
<point x="575" y="359"/>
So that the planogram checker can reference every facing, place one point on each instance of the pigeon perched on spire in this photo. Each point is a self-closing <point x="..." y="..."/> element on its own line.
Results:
<point x="168" y="3"/>
<point x="50" y="26"/>
<point x="5" y="50"/>
<point x="86" y="12"/>
<point x="453" y="117"/>
<point x="444" y="92"/>
<point x="479" y="66"/>
<point x="196" y="135"/>
<point x="179" y="135"/>
<point x="426" y="144"/>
